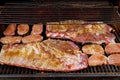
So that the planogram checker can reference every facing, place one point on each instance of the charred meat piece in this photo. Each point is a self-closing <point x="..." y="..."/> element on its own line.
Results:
<point x="93" y="49"/>
<point x="11" y="39"/>
<point x="97" y="60"/>
<point x="46" y="55"/>
<point x="81" y="32"/>
<point x="37" y="29"/>
<point x="32" y="38"/>
<point x="114" y="59"/>
<point x="112" y="48"/>
<point x="10" y="30"/>
<point x="22" y="29"/>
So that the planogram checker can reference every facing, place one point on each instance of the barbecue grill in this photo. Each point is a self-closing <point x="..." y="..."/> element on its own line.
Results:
<point x="45" y="11"/>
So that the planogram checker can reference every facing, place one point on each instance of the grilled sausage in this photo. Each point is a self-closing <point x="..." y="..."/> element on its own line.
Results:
<point x="37" y="29"/>
<point x="32" y="38"/>
<point x="93" y="49"/>
<point x="112" y="48"/>
<point x="10" y="39"/>
<point x="10" y="30"/>
<point x="114" y="59"/>
<point x="22" y="29"/>
<point x="97" y="60"/>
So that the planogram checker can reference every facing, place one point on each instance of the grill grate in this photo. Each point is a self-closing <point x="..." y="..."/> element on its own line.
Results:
<point x="43" y="13"/>
<point x="105" y="70"/>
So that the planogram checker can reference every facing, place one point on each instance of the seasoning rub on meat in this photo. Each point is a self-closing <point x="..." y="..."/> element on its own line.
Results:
<point x="55" y="55"/>
<point x="97" y="60"/>
<point x="114" y="59"/>
<point x="112" y="48"/>
<point x="10" y="39"/>
<point x="81" y="32"/>
<point x="93" y="49"/>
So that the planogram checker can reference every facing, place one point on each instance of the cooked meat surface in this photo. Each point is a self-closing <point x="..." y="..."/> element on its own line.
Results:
<point x="112" y="48"/>
<point x="114" y="59"/>
<point x="50" y="54"/>
<point x="97" y="60"/>
<point x="10" y="30"/>
<point x="37" y="29"/>
<point x="22" y="29"/>
<point x="93" y="49"/>
<point x="81" y="32"/>
<point x="32" y="38"/>
<point x="11" y="39"/>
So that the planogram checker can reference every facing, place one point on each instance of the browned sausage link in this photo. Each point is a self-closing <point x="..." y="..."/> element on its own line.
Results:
<point x="112" y="48"/>
<point x="93" y="49"/>
<point x="10" y="39"/>
<point x="10" y="30"/>
<point x="22" y="29"/>
<point x="37" y="29"/>
<point x="32" y="38"/>
<point x="114" y="59"/>
<point x="97" y="60"/>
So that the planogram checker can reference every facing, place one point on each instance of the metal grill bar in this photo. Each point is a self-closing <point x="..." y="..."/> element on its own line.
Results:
<point x="102" y="69"/>
<point x="45" y="13"/>
<point x="84" y="3"/>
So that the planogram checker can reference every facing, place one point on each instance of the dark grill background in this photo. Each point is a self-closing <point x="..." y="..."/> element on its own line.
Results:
<point x="37" y="12"/>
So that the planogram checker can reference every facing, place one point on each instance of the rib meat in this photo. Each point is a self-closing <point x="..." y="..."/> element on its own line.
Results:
<point x="93" y="49"/>
<point x="22" y="29"/>
<point x="97" y="60"/>
<point x="112" y="48"/>
<point x="11" y="39"/>
<point x="81" y="32"/>
<point x="10" y="30"/>
<point x="32" y="38"/>
<point x="37" y="29"/>
<point x="50" y="54"/>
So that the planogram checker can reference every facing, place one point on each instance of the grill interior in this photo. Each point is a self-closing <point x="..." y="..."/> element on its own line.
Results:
<point x="35" y="13"/>
<point x="40" y="13"/>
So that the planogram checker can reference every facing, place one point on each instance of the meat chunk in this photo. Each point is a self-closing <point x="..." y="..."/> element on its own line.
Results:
<point x="10" y="30"/>
<point x="37" y="29"/>
<point x="97" y="60"/>
<point x="10" y="39"/>
<point x="45" y="56"/>
<point x="114" y="59"/>
<point x="93" y="49"/>
<point x="22" y="29"/>
<point x="32" y="38"/>
<point x="112" y="48"/>
<point x="81" y="32"/>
